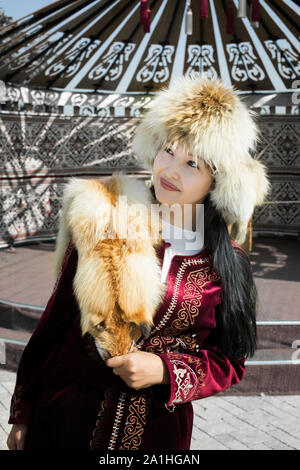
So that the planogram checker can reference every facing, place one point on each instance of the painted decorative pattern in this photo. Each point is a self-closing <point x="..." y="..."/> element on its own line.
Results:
<point x="39" y="151"/>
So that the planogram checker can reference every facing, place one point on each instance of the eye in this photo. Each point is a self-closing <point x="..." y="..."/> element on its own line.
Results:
<point x="168" y="150"/>
<point x="194" y="163"/>
<point x="100" y="326"/>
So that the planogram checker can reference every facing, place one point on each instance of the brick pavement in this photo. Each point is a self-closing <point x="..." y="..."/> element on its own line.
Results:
<point x="221" y="422"/>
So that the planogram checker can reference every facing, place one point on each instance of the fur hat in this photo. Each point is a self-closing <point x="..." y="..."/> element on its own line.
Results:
<point x="215" y="125"/>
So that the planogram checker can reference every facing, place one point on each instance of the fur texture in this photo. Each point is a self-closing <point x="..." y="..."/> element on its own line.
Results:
<point x="117" y="282"/>
<point x="212" y="121"/>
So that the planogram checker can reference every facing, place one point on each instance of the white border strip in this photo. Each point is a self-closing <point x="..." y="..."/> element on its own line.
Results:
<point x="292" y="38"/>
<point x="273" y="363"/>
<point x="91" y="63"/>
<point x="277" y="322"/>
<point x="135" y="61"/>
<point x="13" y="341"/>
<point x="18" y="304"/>
<point x="292" y="5"/>
<point x="180" y="54"/>
<point x="223" y="66"/>
<point x="273" y="75"/>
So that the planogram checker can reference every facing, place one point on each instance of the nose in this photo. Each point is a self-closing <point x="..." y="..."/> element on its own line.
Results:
<point x="172" y="172"/>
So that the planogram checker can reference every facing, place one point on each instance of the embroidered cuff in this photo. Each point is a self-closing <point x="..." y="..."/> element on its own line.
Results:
<point x="19" y="409"/>
<point x="184" y="379"/>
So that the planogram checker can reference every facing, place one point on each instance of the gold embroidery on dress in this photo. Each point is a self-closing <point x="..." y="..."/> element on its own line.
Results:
<point x="135" y="423"/>
<point x="98" y="431"/>
<point x="193" y="293"/>
<point x="15" y="402"/>
<point x="188" y="379"/>
<point x="188" y="311"/>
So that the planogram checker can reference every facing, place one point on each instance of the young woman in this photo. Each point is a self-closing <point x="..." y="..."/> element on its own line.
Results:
<point x="195" y="138"/>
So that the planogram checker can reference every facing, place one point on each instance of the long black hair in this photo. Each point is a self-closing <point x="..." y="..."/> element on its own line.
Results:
<point x="235" y="331"/>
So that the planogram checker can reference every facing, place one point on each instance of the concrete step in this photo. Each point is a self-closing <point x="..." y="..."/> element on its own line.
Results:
<point x="273" y="369"/>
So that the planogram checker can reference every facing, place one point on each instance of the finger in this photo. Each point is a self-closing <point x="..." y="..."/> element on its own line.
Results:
<point x="117" y="370"/>
<point x="10" y="444"/>
<point x="21" y="443"/>
<point x="116" y="361"/>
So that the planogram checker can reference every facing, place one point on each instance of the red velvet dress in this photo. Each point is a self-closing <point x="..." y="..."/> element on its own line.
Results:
<point x="70" y="399"/>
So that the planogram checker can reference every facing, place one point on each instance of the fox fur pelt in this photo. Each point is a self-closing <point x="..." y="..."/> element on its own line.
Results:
<point x="118" y="278"/>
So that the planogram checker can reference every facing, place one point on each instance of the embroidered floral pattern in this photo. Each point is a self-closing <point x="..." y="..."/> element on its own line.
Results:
<point x="185" y="380"/>
<point x="193" y="292"/>
<point x="16" y="400"/>
<point x="98" y="431"/>
<point x="189" y="376"/>
<point x="135" y="423"/>
<point x="171" y="337"/>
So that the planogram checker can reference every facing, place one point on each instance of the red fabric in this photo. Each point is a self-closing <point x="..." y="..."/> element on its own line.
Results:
<point x="203" y="8"/>
<point x="143" y="10"/>
<point x="145" y="16"/>
<point x="230" y="21"/>
<point x="147" y="21"/>
<point x="70" y="399"/>
<point x="255" y="10"/>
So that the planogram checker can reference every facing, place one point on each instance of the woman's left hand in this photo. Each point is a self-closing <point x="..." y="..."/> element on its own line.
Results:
<point x="139" y="369"/>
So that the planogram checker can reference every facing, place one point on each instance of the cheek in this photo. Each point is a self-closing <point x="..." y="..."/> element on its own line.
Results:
<point x="158" y="164"/>
<point x="198" y="187"/>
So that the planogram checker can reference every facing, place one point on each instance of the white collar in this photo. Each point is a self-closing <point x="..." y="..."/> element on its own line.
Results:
<point x="182" y="240"/>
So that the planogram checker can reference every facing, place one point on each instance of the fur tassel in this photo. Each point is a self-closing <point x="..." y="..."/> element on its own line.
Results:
<point x="117" y="283"/>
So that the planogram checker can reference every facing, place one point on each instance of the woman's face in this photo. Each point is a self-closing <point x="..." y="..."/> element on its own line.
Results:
<point x="192" y="179"/>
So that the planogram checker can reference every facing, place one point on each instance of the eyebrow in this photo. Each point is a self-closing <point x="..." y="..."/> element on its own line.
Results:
<point x="189" y="153"/>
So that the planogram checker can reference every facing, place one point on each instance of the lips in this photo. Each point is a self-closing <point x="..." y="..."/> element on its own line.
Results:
<point x="168" y="185"/>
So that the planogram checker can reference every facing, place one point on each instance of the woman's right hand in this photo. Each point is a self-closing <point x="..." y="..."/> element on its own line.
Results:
<point x="16" y="438"/>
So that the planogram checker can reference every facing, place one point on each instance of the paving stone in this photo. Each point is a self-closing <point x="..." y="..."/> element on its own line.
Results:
<point x="220" y="422"/>
<point x="261" y="446"/>
<point x="274" y="444"/>
<point x="252" y="437"/>
<point x="285" y="406"/>
<point x="231" y="442"/>
<point x="215" y="427"/>
<point x="283" y="437"/>
<point x="274" y="409"/>
<point x="289" y="425"/>
<point x="239" y="424"/>
<point x="258" y="418"/>
<point x="3" y="439"/>
<point x="245" y="403"/>
<point x="9" y="386"/>
<point x="208" y="444"/>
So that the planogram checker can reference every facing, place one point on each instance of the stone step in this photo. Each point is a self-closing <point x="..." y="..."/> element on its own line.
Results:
<point x="277" y="334"/>
<point x="270" y="334"/>
<point x="270" y="378"/>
